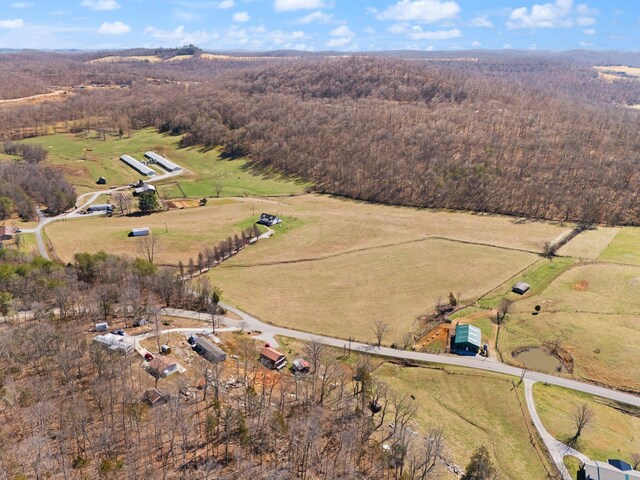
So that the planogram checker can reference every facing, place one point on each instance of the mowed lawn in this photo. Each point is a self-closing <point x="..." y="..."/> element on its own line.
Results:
<point x="475" y="409"/>
<point x="83" y="158"/>
<point x="624" y="248"/>
<point x="348" y="264"/>
<point x="589" y="244"/>
<point x="594" y="311"/>
<point x="612" y="434"/>
<point x="182" y="233"/>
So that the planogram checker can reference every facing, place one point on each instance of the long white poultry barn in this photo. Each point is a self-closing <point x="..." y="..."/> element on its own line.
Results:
<point x="168" y="165"/>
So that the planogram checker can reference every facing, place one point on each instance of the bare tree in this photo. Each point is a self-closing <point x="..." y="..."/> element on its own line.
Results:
<point x="635" y="460"/>
<point x="148" y="246"/>
<point x="583" y="417"/>
<point x="18" y="240"/>
<point x="380" y="330"/>
<point x="503" y="309"/>
<point x="423" y="458"/>
<point x="123" y="201"/>
<point x="218" y="187"/>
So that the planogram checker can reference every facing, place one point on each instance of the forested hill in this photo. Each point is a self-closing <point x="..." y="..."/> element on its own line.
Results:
<point x="441" y="136"/>
<point x="541" y="136"/>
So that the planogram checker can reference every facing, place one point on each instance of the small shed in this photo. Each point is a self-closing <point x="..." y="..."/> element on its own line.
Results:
<point x="101" y="181"/>
<point x="140" y="232"/>
<point x="102" y="327"/>
<point x="153" y="397"/>
<point x="271" y="358"/>
<point x="300" y="365"/>
<point x="6" y="233"/>
<point x="468" y="339"/>
<point x="521" y="288"/>
<point x="268" y="220"/>
<point x="208" y="350"/>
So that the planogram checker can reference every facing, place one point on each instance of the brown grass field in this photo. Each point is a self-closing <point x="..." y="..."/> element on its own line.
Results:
<point x="346" y="264"/>
<point x="474" y="409"/>
<point x="589" y="244"/>
<point x="183" y="233"/>
<point x="593" y="309"/>
<point x="613" y="433"/>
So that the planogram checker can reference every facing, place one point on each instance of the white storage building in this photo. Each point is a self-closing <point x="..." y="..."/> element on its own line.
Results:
<point x="168" y="165"/>
<point x="138" y="166"/>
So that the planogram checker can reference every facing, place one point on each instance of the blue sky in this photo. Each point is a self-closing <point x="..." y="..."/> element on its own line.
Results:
<point x="348" y="25"/>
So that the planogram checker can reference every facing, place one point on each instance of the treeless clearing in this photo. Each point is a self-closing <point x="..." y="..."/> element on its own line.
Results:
<point x="597" y="324"/>
<point x="624" y="247"/>
<point x="617" y="72"/>
<point x="613" y="433"/>
<point x="182" y="233"/>
<point x="131" y="58"/>
<point x="342" y="295"/>
<point x="474" y="409"/>
<point x="36" y="99"/>
<point x="590" y="243"/>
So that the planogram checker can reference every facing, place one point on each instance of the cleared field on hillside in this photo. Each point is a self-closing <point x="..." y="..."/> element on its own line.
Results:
<point x="589" y="244"/>
<point x="593" y="310"/>
<point x="613" y="434"/>
<point x="182" y="233"/>
<point x="84" y="158"/>
<point x="474" y="409"/>
<point x="624" y="248"/>
<point x="348" y="264"/>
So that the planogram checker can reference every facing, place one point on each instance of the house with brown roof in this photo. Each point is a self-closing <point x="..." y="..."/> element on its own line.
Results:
<point x="161" y="367"/>
<point x="6" y="233"/>
<point x="271" y="358"/>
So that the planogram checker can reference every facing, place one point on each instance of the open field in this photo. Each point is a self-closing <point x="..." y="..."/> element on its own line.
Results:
<point x="474" y="409"/>
<point x="182" y="233"/>
<point x="589" y="244"/>
<point x="84" y="158"/>
<point x="593" y="310"/>
<point x="35" y="99"/>
<point x="128" y="58"/>
<point x="613" y="434"/>
<point x="624" y="248"/>
<point x="618" y="72"/>
<point x="350" y="263"/>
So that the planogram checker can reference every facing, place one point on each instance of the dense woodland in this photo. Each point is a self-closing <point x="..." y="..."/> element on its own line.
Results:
<point x="537" y="135"/>
<point x="70" y="408"/>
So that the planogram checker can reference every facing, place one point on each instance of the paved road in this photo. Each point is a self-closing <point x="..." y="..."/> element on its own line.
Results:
<point x="480" y="363"/>
<point x="83" y="201"/>
<point x="556" y="448"/>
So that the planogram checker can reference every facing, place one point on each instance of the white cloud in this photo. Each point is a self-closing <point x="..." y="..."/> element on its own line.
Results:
<point x="506" y="46"/>
<point x="585" y="21"/>
<point x="225" y="4"/>
<point x="115" y="28"/>
<point x="418" y="34"/>
<point x="398" y="28"/>
<point x="369" y="30"/>
<point x="16" y="23"/>
<point x="342" y="36"/>
<point x="482" y="21"/>
<point x="22" y="4"/>
<point x="559" y="14"/>
<point x="100" y="4"/>
<point x="288" y="5"/>
<point x="241" y="17"/>
<point x="428" y="11"/>
<point x="542" y="16"/>
<point x="316" y="16"/>
<point x="586" y="44"/>
<point x="589" y="31"/>
<point x="476" y="43"/>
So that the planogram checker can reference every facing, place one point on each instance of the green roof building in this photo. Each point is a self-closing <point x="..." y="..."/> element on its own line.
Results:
<point x="468" y="339"/>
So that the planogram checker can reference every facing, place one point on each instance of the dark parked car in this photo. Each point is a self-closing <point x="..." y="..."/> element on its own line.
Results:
<point x="120" y="332"/>
<point x="148" y="357"/>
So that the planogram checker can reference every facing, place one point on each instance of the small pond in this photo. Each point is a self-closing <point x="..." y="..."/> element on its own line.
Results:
<point x="539" y="358"/>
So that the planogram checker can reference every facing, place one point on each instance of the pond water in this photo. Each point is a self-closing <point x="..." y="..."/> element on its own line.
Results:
<point x="539" y="358"/>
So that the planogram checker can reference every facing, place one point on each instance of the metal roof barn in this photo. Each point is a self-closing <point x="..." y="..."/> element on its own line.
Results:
<point x="140" y="232"/>
<point x="468" y="338"/>
<point x="163" y="162"/>
<point x="521" y="288"/>
<point x="100" y="207"/>
<point x="138" y="166"/>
